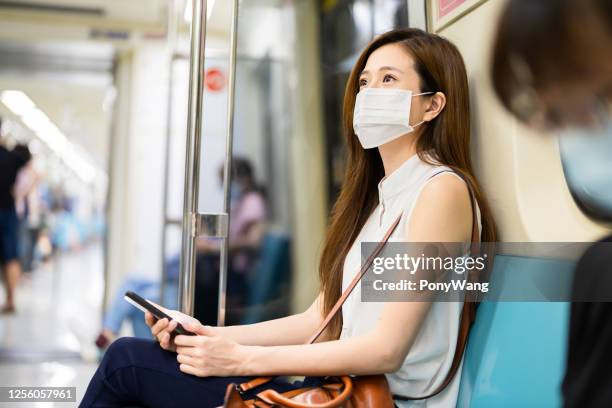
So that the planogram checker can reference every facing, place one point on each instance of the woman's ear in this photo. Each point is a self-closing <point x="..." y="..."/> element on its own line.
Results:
<point x="436" y="104"/>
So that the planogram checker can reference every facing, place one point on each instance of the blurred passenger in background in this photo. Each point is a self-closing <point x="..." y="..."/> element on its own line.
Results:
<point x="10" y="163"/>
<point x="248" y="212"/>
<point x="552" y="68"/>
<point x="27" y="205"/>
<point x="248" y="215"/>
<point x="67" y="232"/>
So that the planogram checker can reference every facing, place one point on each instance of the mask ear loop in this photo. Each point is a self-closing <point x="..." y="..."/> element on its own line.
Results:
<point x="422" y="93"/>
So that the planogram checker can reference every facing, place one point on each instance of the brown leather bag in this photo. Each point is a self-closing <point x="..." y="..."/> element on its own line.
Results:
<point x="368" y="391"/>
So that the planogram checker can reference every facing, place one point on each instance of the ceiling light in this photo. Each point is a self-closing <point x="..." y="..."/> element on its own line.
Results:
<point x="40" y="124"/>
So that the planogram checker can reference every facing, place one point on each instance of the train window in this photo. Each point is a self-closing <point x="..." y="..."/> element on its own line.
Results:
<point x="587" y="165"/>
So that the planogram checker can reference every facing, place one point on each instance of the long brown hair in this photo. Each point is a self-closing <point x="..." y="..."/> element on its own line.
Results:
<point x="441" y="69"/>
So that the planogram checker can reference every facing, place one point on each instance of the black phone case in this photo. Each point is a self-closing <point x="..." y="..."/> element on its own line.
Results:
<point x="157" y="314"/>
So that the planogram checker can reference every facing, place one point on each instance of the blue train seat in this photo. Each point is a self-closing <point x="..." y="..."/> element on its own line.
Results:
<point x="269" y="280"/>
<point x="515" y="356"/>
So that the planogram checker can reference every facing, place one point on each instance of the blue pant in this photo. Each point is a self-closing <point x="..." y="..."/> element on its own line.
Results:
<point x="120" y="310"/>
<point x="9" y="236"/>
<point x="138" y="372"/>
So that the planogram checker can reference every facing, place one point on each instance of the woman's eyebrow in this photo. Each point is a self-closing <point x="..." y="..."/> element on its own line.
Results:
<point x="385" y="68"/>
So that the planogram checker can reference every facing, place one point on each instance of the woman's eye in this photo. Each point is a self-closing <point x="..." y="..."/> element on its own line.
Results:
<point x="388" y="78"/>
<point x="363" y="82"/>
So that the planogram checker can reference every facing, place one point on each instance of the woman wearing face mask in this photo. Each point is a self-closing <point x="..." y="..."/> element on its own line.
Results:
<point x="407" y="127"/>
<point x="552" y="68"/>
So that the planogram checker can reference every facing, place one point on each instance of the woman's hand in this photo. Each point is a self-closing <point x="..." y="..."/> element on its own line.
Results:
<point x="208" y="354"/>
<point x="162" y="328"/>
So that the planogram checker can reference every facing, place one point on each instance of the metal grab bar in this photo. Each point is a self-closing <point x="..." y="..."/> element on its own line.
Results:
<point x="192" y="160"/>
<point x="195" y="224"/>
<point x="172" y="34"/>
<point x="227" y="171"/>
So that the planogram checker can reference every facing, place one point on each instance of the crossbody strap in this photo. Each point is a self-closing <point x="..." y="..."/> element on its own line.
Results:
<point x="364" y="268"/>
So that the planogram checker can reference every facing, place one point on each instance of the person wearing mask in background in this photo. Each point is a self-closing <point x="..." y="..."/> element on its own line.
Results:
<point x="552" y="68"/>
<point x="10" y="163"/>
<point x="248" y="212"/>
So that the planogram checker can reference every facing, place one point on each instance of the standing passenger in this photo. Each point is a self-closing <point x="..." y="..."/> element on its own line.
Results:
<point x="10" y="163"/>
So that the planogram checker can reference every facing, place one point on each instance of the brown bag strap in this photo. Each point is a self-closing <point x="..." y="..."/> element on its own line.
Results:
<point x="468" y="312"/>
<point x="364" y="268"/>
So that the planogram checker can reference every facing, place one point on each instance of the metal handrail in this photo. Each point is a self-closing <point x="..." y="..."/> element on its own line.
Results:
<point x="172" y="34"/>
<point x="195" y="224"/>
<point x="192" y="162"/>
<point x="223" y="260"/>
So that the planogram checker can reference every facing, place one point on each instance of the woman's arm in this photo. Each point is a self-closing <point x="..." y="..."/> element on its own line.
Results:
<point x="381" y="350"/>
<point x="442" y="214"/>
<point x="294" y="329"/>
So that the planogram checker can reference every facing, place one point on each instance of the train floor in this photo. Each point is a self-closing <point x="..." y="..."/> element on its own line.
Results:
<point x="49" y="340"/>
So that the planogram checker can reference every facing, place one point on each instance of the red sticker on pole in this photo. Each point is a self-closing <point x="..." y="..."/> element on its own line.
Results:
<point x="214" y="79"/>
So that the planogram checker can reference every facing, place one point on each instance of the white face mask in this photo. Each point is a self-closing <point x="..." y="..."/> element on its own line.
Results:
<point x="382" y="115"/>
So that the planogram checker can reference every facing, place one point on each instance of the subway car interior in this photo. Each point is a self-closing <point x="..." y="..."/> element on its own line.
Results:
<point x="192" y="152"/>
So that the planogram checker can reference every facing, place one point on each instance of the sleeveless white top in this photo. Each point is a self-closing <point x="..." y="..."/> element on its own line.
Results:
<point x="429" y="359"/>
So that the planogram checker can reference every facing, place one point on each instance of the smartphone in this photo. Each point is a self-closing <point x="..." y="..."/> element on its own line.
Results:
<point x="144" y="305"/>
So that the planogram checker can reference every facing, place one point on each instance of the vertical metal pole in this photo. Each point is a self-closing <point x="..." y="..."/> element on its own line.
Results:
<point x="109" y="188"/>
<point x="164" y="271"/>
<point x="171" y="38"/>
<point x="227" y="179"/>
<point x="192" y="160"/>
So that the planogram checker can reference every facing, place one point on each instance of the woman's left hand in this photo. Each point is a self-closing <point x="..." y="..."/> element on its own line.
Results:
<point x="208" y="354"/>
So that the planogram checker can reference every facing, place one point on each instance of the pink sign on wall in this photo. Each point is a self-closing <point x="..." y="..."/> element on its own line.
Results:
<point x="446" y="6"/>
